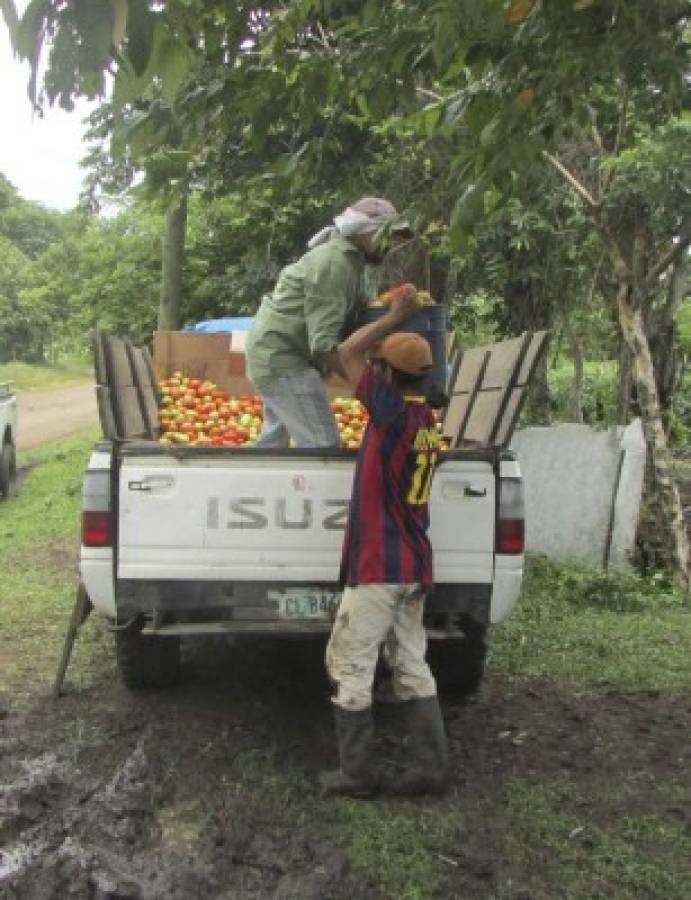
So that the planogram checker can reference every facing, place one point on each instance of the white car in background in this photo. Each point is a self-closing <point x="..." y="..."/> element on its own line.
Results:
<point x="8" y="435"/>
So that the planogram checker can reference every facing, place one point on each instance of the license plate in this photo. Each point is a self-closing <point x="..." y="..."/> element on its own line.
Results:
<point x="306" y="604"/>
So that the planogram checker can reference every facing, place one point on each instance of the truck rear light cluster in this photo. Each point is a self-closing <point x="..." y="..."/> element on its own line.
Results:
<point x="510" y="517"/>
<point x="96" y="512"/>
<point x="96" y="528"/>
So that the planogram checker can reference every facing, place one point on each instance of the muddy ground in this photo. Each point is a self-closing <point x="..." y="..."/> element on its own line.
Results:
<point x="207" y="790"/>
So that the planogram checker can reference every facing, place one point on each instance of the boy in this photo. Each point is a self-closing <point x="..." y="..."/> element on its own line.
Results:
<point x="387" y="560"/>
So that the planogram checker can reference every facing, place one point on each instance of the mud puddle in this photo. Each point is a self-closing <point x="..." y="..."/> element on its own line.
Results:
<point x="159" y="795"/>
<point x="209" y="790"/>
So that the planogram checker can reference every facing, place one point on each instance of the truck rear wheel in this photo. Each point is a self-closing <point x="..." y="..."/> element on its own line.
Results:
<point x="458" y="664"/>
<point x="145" y="660"/>
<point x="8" y="469"/>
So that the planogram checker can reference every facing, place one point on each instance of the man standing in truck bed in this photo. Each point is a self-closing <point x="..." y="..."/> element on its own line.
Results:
<point x="295" y="333"/>
<point x="387" y="560"/>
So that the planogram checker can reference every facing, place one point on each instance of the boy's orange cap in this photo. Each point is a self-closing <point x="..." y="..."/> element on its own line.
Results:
<point x="405" y="351"/>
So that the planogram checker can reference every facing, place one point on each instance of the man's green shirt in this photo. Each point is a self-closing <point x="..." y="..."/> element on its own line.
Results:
<point x="303" y="319"/>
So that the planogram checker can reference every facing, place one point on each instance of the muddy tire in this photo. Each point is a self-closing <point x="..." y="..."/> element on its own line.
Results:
<point x="8" y="470"/>
<point x="147" y="661"/>
<point x="458" y="664"/>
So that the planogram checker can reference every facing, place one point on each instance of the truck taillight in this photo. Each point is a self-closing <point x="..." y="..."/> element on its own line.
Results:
<point x="96" y="512"/>
<point x="96" y="529"/>
<point x="510" y="517"/>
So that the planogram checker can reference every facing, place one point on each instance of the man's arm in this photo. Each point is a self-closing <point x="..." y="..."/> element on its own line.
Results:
<point x="352" y="353"/>
<point x="326" y="304"/>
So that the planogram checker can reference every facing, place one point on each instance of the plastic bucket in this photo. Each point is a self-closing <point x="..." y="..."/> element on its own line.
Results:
<point x="430" y="322"/>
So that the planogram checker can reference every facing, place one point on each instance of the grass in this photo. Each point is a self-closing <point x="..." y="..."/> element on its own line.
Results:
<point x="31" y="377"/>
<point x="552" y="834"/>
<point x="402" y="846"/>
<point x="39" y="540"/>
<point x="516" y="832"/>
<point x="585" y="629"/>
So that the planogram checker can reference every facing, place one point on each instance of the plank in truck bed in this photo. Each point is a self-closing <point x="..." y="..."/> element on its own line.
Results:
<point x="126" y="389"/>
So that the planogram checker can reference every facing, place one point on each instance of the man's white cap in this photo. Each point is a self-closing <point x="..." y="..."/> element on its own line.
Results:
<point x="363" y="217"/>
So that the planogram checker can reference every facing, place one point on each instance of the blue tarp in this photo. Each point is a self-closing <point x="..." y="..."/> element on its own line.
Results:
<point x="213" y="326"/>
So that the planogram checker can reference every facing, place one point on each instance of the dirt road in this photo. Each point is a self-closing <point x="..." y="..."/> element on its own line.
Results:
<point x="46" y="416"/>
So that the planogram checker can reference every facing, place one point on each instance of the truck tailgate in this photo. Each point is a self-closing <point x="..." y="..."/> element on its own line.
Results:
<point x="249" y="516"/>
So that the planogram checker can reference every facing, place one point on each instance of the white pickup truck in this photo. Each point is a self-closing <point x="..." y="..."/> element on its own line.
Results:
<point x="244" y="541"/>
<point x="8" y="438"/>
<point x="183" y="540"/>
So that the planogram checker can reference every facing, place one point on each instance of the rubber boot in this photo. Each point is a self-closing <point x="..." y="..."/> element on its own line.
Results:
<point x="429" y="771"/>
<point x="357" y="776"/>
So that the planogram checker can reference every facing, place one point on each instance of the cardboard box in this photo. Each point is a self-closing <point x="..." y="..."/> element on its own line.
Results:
<point x="236" y="362"/>
<point x="238" y="340"/>
<point x="213" y="357"/>
<point x="199" y="355"/>
<point x="187" y="352"/>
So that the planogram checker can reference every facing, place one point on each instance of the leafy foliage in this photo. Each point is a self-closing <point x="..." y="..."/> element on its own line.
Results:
<point x="599" y="397"/>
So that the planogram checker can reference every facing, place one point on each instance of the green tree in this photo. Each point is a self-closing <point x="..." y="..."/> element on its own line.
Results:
<point x="27" y="231"/>
<point x="15" y="322"/>
<point x="484" y="92"/>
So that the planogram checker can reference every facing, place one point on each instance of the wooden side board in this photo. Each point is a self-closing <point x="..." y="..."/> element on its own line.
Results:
<point x="487" y="388"/>
<point x="126" y="391"/>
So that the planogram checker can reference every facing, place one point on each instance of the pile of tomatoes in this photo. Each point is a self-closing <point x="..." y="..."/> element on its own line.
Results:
<point x="199" y="412"/>
<point x="351" y="418"/>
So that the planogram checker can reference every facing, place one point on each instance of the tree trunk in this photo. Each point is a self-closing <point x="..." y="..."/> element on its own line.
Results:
<point x="576" y="351"/>
<point x="624" y="389"/>
<point x="666" y="355"/>
<point x="172" y="263"/>
<point x="540" y="402"/>
<point x="663" y="495"/>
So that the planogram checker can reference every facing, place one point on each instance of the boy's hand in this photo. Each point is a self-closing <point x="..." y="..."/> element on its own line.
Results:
<point x="405" y="303"/>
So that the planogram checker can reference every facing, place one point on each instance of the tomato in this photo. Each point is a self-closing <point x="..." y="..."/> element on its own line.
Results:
<point x="200" y="412"/>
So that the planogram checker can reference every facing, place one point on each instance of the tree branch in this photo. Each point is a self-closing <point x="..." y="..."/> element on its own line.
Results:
<point x="679" y="16"/>
<point x="668" y="258"/>
<point x="622" y="270"/>
<point x="596" y="275"/>
<point x="597" y="137"/>
<point x="9" y="14"/>
<point x="621" y="127"/>
<point x="571" y="178"/>
<point x="675" y="292"/>
<point x="433" y="95"/>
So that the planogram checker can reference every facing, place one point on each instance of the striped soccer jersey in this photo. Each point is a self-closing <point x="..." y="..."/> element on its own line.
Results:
<point x="386" y="538"/>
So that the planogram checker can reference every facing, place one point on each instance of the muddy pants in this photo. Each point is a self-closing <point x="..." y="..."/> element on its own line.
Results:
<point x="369" y="615"/>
